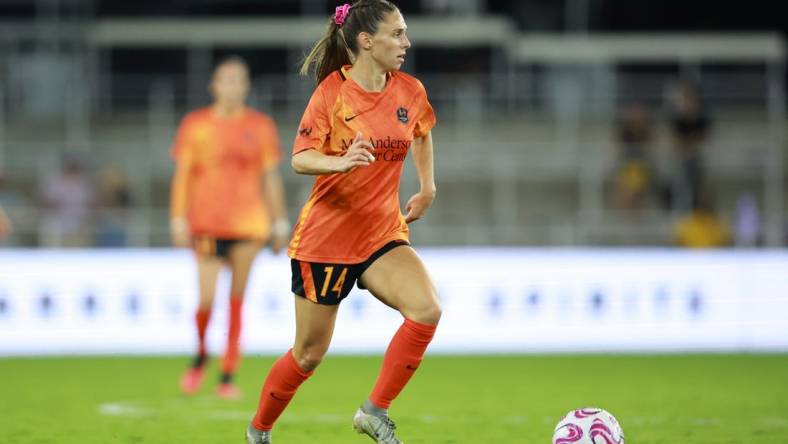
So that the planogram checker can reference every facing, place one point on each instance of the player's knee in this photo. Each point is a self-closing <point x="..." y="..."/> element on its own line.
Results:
<point x="432" y="314"/>
<point x="308" y="358"/>
<point x="428" y="313"/>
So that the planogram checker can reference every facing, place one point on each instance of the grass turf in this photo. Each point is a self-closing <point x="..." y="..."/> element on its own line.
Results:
<point x="670" y="399"/>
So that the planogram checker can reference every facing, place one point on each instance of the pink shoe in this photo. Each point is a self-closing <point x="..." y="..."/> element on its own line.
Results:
<point x="229" y="391"/>
<point x="192" y="379"/>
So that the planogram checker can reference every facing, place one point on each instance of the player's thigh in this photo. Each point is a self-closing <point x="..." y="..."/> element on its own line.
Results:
<point x="241" y="257"/>
<point x="208" y="268"/>
<point x="400" y="280"/>
<point x="314" y="329"/>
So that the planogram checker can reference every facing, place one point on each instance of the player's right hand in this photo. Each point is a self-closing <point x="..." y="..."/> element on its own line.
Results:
<point x="359" y="154"/>
<point x="180" y="233"/>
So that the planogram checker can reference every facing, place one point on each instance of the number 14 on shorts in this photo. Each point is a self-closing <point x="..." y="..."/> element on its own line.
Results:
<point x="338" y="284"/>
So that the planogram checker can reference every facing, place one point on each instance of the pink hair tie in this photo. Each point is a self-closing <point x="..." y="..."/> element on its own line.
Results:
<point x="341" y="14"/>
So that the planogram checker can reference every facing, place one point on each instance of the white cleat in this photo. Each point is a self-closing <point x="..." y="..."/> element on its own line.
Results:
<point x="254" y="436"/>
<point x="381" y="429"/>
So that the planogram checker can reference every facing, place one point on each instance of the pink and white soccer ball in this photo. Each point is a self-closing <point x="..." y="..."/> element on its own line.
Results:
<point x="590" y="425"/>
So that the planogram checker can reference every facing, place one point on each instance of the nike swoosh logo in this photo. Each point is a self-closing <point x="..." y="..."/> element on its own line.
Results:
<point x="348" y="119"/>
<point x="276" y="397"/>
<point x="410" y="367"/>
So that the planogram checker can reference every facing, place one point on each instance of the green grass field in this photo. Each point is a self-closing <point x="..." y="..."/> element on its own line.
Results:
<point x="669" y="399"/>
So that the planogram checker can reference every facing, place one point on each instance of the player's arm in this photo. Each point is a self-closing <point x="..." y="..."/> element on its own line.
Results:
<point x="179" y="194"/>
<point x="313" y="162"/>
<point x="418" y="205"/>
<point x="5" y="224"/>
<point x="273" y="191"/>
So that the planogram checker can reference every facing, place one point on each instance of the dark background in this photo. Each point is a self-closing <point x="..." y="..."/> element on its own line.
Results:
<point x="536" y="15"/>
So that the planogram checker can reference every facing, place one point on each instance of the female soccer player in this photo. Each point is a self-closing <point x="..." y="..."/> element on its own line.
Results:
<point x="226" y="201"/>
<point x="360" y="123"/>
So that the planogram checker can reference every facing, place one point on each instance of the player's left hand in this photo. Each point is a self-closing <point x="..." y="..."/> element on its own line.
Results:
<point x="418" y="205"/>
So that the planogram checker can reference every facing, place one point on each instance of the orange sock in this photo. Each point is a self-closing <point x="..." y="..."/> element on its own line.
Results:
<point x="201" y="318"/>
<point x="233" y="353"/>
<point x="401" y="361"/>
<point x="280" y="386"/>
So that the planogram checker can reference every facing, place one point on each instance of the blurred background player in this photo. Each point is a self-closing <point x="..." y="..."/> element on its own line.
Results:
<point x="226" y="200"/>
<point x="351" y="229"/>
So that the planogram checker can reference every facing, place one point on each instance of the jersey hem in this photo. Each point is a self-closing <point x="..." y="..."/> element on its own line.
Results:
<point x="345" y="260"/>
<point x="227" y="235"/>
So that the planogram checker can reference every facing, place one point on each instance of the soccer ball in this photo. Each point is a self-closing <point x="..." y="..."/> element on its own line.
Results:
<point x="590" y="425"/>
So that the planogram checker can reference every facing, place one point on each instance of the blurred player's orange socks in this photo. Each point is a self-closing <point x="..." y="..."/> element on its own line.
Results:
<point x="280" y="386"/>
<point x="232" y="354"/>
<point x="201" y="318"/>
<point x="401" y="361"/>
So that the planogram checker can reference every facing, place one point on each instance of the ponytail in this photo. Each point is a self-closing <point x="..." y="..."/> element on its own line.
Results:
<point x="337" y="47"/>
<point x="328" y="55"/>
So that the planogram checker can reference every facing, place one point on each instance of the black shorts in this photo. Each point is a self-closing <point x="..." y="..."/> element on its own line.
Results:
<point x="328" y="284"/>
<point x="215" y="246"/>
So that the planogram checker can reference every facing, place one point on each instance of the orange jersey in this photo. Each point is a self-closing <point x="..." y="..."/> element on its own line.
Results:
<point x="349" y="216"/>
<point x="223" y="161"/>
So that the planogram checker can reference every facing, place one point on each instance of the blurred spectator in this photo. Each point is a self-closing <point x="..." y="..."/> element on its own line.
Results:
<point x="634" y="171"/>
<point x="113" y="202"/>
<point x="7" y="195"/>
<point x="748" y="221"/>
<point x="702" y="227"/>
<point x="66" y="199"/>
<point x="5" y="224"/>
<point x="690" y="124"/>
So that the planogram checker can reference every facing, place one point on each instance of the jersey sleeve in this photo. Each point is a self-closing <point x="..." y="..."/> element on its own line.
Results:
<point x="315" y="125"/>
<point x="426" y="115"/>
<point x="271" y="152"/>
<point x="182" y="154"/>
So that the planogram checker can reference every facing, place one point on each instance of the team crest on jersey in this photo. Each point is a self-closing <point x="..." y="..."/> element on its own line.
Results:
<point x="305" y="132"/>
<point x="402" y="114"/>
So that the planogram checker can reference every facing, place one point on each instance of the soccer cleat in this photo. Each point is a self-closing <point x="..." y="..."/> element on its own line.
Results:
<point x="192" y="379"/>
<point x="379" y="428"/>
<point x="254" y="436"/>
<point x="229" y="392"/>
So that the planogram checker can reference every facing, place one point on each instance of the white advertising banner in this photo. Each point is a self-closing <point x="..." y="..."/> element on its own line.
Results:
<point x="494" y="299"/>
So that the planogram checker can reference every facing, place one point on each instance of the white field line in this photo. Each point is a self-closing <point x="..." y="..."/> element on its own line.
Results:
<point x="124" y="408"/>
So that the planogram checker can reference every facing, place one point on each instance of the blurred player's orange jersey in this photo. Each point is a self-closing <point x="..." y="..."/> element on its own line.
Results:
<point x="349" y="216"/>
<point x="226" y="159"/>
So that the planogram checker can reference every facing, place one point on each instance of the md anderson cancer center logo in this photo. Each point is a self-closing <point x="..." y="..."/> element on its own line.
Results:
<point x="388" y="149"/>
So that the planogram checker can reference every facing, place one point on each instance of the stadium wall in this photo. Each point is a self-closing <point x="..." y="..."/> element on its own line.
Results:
<point x="507" y="300"/>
